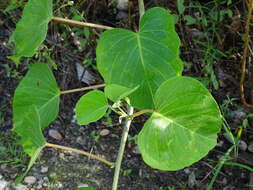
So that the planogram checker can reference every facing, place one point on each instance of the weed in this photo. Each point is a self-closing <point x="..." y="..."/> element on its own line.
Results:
<point x="10" y="152"/>
<point x="207" y="17"/>
<point x="127" y="172"/>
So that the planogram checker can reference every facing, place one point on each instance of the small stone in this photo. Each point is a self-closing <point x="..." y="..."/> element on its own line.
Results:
<point x="220" y="144"/>
<point x="121" y="15"/>
<point x="13" y="175"/>
<point x="83" y="185"/>
<point x="44" y="169"/>
<point x="192" y="180"/>
<point x="3" y="184"/>
<point x="104" y="132"/>
<point x="250" y="147"/>
<point x="3" y="166"/>
<point x="55" y="134"/>
<point x="136" y="150"/>
<point x="85" y="75"/>
<point x="122" y="5"/>
<point x="39" y="186"/>
<point x="242" y="145"/>
<point x="30" y="180"/>
<point x="80" y="140"/>
<point x="187" y="171"/>
<point x="20" y="187"/>
<point x="45" y="179"/>
<point x="1" y="177"/>
<point x="224" y="181"/>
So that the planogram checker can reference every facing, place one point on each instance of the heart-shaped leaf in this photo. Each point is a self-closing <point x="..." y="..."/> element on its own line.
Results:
<point x="37" y="88"/>
<point x="30" y="131"/>
<point x="183" y="128"/>
<point x="31" y="135"/>
<point x="91" y="107"/>
<point x="146" y="58"/>
<point x="31" y="30"/>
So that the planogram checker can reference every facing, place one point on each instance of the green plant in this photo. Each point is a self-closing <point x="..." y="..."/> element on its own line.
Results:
<point x="11" y="153"/>
<point x="141" y="70"/>
<point x="207" y="17"/>
<point x="127" y="172"/>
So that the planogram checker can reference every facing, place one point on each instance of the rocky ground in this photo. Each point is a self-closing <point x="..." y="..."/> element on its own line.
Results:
<point x="62" y="170"/>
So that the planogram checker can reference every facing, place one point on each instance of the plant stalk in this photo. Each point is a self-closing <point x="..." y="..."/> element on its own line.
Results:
<point x="82" y="89"/>
<point x="79" y="24"/>
<point x="245" y="55"/>
<point x="141" y="7"/>
<point x="122" y="148"/>
<point x="136" y="114"/>
<point x="80" y="152"/>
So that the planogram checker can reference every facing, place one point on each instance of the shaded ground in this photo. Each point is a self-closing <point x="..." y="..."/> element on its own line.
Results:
<point x="63" y="170"/>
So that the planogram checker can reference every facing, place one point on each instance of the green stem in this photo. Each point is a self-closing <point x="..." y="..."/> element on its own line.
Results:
<point x="219" y="167"/>
<point x="83" y="89"/>
<point x="121" y="149"/>
<point x="136" y="114"/>
<point x="141" y="7"/>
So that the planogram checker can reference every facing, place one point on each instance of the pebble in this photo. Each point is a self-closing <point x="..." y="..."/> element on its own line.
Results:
<point x="250" y="147"/>
<point x="3" y="184"/>
<point x="30" y="180"/>
<point x="224" y="181"/>
<point x="136" y="150"/>
<point x="187" y="171"/>
<point x="3" y="166"/>
<point x="122" y="15"/>
<point x="20" y="187"/>
<point x="104" y="132"/>
<point x="242" y="145"/>
<point x="122" y="5"/>
<point x="80" y="140"/>
<point x="55" y="134"/>
<point x="192" y="180"/>
<point x="44" y="169"/>
<point x="240" y="113"/>
<point x="83" y="185"/>
<point x="220" y="143"/>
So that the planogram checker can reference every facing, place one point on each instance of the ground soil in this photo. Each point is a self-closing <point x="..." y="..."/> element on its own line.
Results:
<point x="68" y="170"/>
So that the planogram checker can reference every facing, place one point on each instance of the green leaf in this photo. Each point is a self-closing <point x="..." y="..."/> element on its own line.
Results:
<point x="31" y="30"/>
<point x="189" y="20"/>
<point x="85" y="188"/>
<point x="31" y="162"/>
<point x="116" y="92"/>
<point x="146" y="58"/>
<point x="183" y="128"/>
<point x="91" y="107"/>
<point x="37" y="88"/>
<point x="31" y="135"/>
<point x="180" y="7"/>
<point x="30" y="131"/>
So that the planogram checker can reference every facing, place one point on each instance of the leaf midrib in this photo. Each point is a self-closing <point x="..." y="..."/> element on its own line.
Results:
<point x="143" y="64"/>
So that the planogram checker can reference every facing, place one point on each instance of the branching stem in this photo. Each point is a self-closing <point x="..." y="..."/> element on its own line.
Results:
<point x="82" y="89"/>
<point x="121" y="149"/>
<point x="79" y="24"/>
<point x="80" y="152"/>
<point x="245" y="53"/>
